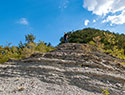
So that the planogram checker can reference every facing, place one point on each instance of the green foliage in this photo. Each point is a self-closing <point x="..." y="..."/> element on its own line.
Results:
<point x="123" y="63"/>
<point x="23" y="50"/>
<point x="110" y="43"/>
<point x="30" y="38"/>
<point x="49" y="44"/>
<point x="92" y="43"/>
<point x="105" y="92"/>
<point x="21" y="46"/>
<point x="42" y="47"/>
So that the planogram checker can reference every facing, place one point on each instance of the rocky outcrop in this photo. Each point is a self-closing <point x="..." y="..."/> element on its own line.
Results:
<point x="71" y="69"/>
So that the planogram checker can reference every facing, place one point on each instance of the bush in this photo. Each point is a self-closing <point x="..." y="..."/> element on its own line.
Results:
<point x="23" y="50"/>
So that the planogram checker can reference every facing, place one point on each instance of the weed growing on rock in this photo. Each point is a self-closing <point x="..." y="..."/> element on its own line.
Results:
<point x="105" y="92"/>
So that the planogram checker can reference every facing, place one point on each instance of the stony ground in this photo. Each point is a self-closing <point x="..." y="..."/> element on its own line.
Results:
<point x="71" y="69"/>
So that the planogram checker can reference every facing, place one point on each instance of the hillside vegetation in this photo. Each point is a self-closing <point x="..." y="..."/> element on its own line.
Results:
<point x="110" y="43"/>
<point x="23" y="50"/>
<point x="105" y="41"/>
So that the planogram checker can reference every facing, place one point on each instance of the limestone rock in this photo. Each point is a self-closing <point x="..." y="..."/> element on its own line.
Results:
<point x="71" y="69"/>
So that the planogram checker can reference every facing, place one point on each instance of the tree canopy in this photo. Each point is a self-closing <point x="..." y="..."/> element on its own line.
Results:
<point x="108" y="42"/>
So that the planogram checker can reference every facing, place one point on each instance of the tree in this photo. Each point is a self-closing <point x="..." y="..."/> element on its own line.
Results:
<point x="21" y="45"/>
<point x="30" y="38"/>
<point x="49" y="44"/>
<point x="105" y="41"/>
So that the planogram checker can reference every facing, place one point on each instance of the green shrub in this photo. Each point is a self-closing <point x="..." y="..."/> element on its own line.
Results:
<point x="105" y="92"/>
<point x="23" y="50"/>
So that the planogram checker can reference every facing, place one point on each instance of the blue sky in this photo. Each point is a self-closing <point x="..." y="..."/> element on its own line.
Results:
<point x="49" y="19"/>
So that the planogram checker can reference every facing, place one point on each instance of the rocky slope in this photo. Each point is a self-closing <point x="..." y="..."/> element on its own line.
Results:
<point x="71" y="69"/>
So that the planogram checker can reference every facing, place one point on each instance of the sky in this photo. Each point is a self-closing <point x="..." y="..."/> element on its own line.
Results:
<point x="49" y="19"/>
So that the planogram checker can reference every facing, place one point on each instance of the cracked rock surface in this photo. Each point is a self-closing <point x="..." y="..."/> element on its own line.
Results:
<point x="71" y="69"/>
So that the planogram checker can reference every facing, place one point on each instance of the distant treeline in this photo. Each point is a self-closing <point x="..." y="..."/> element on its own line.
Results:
<point x="106" y="41"/>
<point x="23" y="50"/>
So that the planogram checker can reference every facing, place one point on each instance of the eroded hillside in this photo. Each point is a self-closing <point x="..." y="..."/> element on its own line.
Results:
<point x="71" y="69"/>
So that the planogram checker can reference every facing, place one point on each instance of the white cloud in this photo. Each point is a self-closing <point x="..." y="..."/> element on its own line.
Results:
<point x="103" y="7"/>
<point x="116" y="19"/>
<point x="94" y="21"/>
<point x="23" y="21"/>
<point x="63" y="4"/>
<point x="86" y="22"/>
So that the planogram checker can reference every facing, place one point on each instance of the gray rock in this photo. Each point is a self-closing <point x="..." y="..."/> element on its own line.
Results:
<point x="59" y="72"/>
